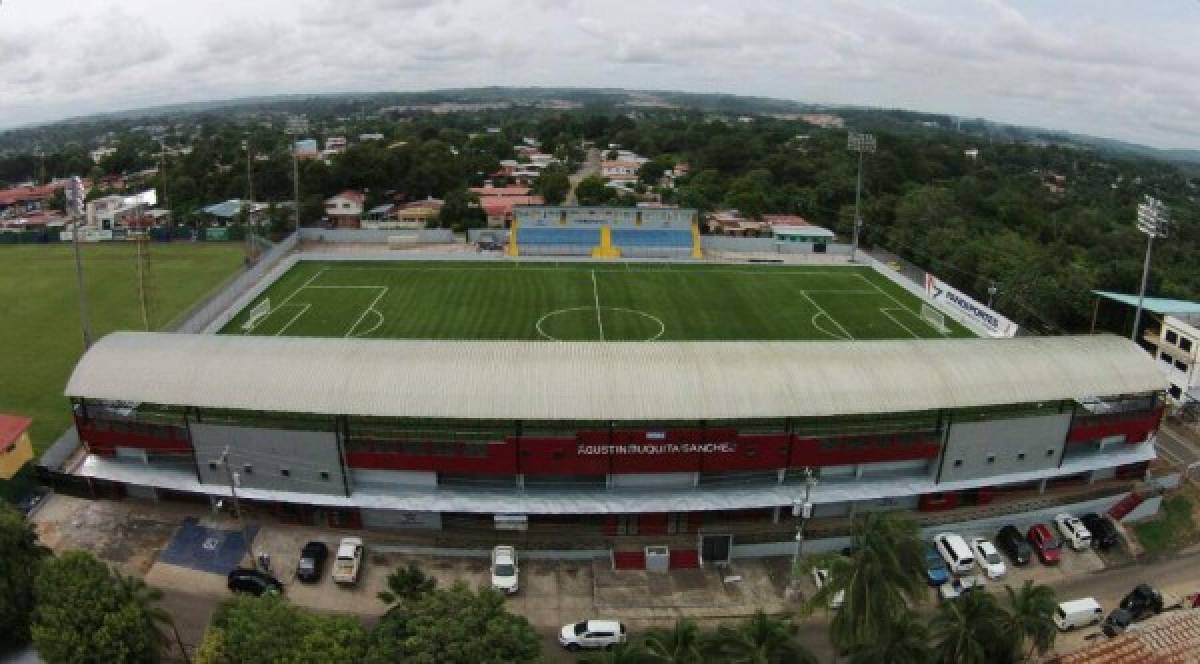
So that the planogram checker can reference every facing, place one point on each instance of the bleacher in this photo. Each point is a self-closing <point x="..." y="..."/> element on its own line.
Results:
<point x="652" y="242"/>
<point x="569" y="241"/>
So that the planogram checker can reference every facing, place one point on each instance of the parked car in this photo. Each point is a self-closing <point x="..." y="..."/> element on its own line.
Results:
<point x="960" y="585"/>
<point x="1077" y="613"/>
<point x="592" y="634"/>
<point x="1044" y="543"/>
<point x="1073" y="531"/>
<point x="1013" y="544"/>
<point x="253" y="582"/>
<point x="955" y="552"/>
<point x="1104" y="533"/>
<point x="821" y="579"/>
<point x="988" y="557"/>
<point x="312" y="561"/>
<point x="936" y="571"/>
<point x="504" y="569"/>
<point x="349" y="560"/>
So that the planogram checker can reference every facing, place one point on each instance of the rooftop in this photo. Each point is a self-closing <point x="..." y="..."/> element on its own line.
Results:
<point x="624" y="381"/>
<point x="12" y="426"/>
<point x="1168" y="638"/>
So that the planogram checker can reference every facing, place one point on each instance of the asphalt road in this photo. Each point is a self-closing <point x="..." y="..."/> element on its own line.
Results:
<point x="590" y="166"/>
<point x="1176" y="446"/>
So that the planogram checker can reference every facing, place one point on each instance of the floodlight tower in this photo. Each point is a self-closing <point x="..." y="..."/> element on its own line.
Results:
<point x="75" y="194"/>
<point x="1152" y="219"/>
<point x="860" y="143"/>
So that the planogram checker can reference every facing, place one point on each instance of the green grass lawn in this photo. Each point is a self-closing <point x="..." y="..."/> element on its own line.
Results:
<point x="1172" y="528"/>
<point x="39" y="318"/>
<point x="587" y="301"/>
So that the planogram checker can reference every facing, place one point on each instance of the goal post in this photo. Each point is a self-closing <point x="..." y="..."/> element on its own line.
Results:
<point x="935" y="318"/>
<point x="259" y="312"/>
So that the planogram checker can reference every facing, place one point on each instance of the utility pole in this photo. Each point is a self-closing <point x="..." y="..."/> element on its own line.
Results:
<point x="237" y="507"/>
<point x="249" y="206"/>
<point x="162" y="171"/>
<point x="295" y="182"/>
<point x="802" y="511"/>
<point x="860" y="143"/>
<point x="992" y="290"/>
<point x="75" y="196"/>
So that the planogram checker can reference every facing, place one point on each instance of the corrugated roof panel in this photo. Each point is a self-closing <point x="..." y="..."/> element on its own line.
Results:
<point x="597" y="380"/>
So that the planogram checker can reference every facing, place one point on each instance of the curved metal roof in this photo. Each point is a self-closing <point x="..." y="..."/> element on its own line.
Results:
<point x="604" y="381"/>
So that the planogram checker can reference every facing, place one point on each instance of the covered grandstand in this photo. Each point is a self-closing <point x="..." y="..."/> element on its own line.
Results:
<point x="617" y="437"/>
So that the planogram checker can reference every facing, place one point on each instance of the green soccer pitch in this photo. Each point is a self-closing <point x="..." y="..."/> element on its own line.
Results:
<point x="586" y="302"/>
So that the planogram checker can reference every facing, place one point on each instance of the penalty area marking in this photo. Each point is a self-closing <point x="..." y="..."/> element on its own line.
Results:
<point x="821" y="312"/>
<point x="383" y="290"/>
<point x="662" y="328"/>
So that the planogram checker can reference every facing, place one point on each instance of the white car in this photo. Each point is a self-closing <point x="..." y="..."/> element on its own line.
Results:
<point x="504" y="569"/>
<point x="592" y="634"/>
<point x="988" y="558"/>
<point x="955" y="552"/>
<point x="821" y="578"/>
<point x="1073" y="531"/>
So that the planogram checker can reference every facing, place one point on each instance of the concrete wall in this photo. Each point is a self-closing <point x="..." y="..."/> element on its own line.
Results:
<point x="378" y="236"/>
<point x="655" y="480"/>
<point x="401" y="520"/>
<point x="1003" y="441"/>
<point x="304" y="454"/>
<point x="764" y="245"/>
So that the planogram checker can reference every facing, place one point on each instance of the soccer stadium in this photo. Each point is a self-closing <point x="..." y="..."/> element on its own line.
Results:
<point x="603" y="401"/>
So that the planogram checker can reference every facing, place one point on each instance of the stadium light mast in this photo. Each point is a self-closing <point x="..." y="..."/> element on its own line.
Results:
<point x="1152" y="219"/>
<point x="861" y="143"/>
<point x="75" y="195"/>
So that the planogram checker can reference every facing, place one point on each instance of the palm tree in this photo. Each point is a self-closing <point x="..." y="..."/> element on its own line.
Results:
<point x="906" y="641"/>
<point x="622" y="653"/>
<point x="882" y="576"/>
<point x="1031" y="616"/>
<point x="405" y="584"/>
<point x="760" y="639"/>
<point x="678" y="645"/>
<point x="145" y="598"/>
<point x="972" y="630"/>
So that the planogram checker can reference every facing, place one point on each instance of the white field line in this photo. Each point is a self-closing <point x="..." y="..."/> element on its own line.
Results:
<point x="596" y="296"/>
<point x="756" y="271"/>
<point x="303" y="309"/>
<point x="302" y="287"/>
<point x="370" y="307"/>
<point x="887" y="311"/>
<point x="887" y="295"/>
<point x="833" y="320"/>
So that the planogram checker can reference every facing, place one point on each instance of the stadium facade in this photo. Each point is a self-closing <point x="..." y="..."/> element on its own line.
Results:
<point x="615" y="438"/>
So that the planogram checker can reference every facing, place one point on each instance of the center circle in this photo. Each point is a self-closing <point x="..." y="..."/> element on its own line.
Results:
<point x="586" y="323"/>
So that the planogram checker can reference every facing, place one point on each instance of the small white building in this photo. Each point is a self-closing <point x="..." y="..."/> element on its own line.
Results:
<point x="1176" y="346"/>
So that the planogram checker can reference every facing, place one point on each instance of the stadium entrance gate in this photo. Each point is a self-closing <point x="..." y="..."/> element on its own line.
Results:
<point x="715" y="549"/>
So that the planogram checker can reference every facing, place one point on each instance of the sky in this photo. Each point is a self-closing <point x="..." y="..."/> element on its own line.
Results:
<point x="1113" y="68"/>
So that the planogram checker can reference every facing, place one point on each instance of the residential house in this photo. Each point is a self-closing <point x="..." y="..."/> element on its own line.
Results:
<point x="363" y="138"/>
<point x="15" y="447"/>
<point x="345" y="210"/>
<point x="231" y="211"/>
<point x="620" y="170"/>
<point x="490" y="191"/>
<point x="27" y="199"/>
<point x="499" y="209"/>
<point x="823" y="120"/>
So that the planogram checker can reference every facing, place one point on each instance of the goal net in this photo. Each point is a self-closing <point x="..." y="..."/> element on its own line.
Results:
<point x="935" y="318"/>
<point x="258" y="313"/>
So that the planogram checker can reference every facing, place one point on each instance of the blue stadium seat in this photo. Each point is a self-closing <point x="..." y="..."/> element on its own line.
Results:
<point x="658" y="238"/>
<point x="574" y="237"/>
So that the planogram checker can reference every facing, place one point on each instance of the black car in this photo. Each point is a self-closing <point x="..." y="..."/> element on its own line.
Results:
<point x="1116" y="622"/>
<point x="312" y="561"/>
<point x="254" y="582"/>
<point x="1012" y="542"/>
<point x="1143" y="601"/>
<point x="1104" y="533"/>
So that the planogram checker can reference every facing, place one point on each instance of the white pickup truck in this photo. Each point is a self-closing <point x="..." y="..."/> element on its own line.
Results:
<point x="349" y="561"/>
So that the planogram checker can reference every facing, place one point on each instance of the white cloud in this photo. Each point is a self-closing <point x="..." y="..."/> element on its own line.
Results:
<point x="1099" y="66"/>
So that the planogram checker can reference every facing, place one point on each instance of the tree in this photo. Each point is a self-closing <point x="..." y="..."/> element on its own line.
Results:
<point x="760" y="639"/>
<point x="622" y="653"/>
<point x="881" y="577"/>
<point x="406" y="584"/>
<point x="592" y="190"/>
<point x="461" y="210"/>
<point x="269" y="629"/>
<point x="86" y="614"/>
<point x="972" y="630"/>
<point x="1031" y="616"/>
<point x="905" y="641"/>
<point x="679" y="645"/>
<point x="553" y="184"/>
<point x="454" y="625"/>
<point x="20" y="556"/>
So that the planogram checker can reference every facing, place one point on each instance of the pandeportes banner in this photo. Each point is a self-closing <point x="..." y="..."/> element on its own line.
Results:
<point x="957" y="303"/>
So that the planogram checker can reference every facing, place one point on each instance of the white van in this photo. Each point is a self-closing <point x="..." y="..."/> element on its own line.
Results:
<point x="955" y="552"/>
<point x="1078" y="613"/>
